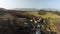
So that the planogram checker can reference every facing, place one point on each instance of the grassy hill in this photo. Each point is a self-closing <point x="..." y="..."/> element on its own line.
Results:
<point x="53" y="17"/>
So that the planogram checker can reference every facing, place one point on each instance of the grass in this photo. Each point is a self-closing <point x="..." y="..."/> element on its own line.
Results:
<point x="54" y="18"/>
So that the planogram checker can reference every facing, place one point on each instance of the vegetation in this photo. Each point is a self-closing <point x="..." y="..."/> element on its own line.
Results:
<point x="13" y="19"/>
